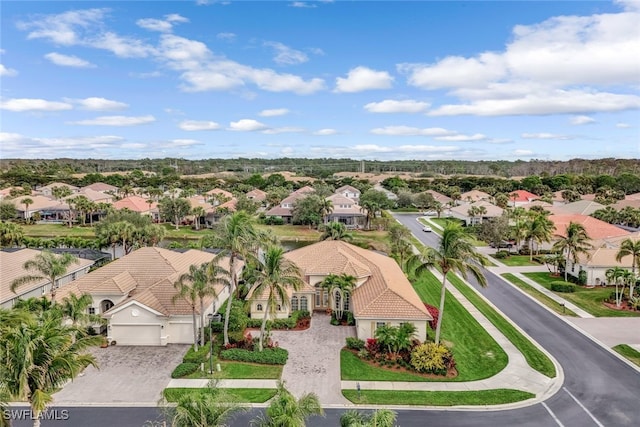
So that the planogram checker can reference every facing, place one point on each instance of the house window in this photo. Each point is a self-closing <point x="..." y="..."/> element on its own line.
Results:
<point x="380" y="325"/>
<point x="294" y="303"/>
<point x="347" y="301"/>
<point x="337" y="298"/>
<point x="259" y="307"/>
<point x="304" y="305"/>
<point x="92" y="310"/>
<point x="279" y="308"/>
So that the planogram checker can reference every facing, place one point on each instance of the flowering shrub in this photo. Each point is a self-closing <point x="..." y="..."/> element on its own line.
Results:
<point x="435" y="313"/>
<point x="432" y="358"/>
<point x="373" y="347"/>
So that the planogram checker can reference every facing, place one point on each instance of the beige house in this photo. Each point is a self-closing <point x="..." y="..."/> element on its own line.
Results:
<point x="462" y="212"/>
<point x="346" y="211"/>
<point x="383" y="295"/>
<point x="140" y="205"/>
<point x="349" y="192"/>
<point x="257" y="195"/>
<point x="47" y="190"/>
<point x="474" y="196"/>
<point x="135" y="294"/>
<point x="11" y="263"/>
<point x="101" y="187"/>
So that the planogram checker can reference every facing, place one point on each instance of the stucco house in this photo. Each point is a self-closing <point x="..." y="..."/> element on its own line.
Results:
<point x="135" y="292"/>
<point x="383" y="295"/>
<point x="474" y="196"/>
<point x="47" y="190"/>
<point x="346" y="211"/>
<point x="521" y="197"/>
<point x="285" y="209"/>
<point x="47" y="208"/>
<point x="140" y="205"/>
<point x="349" y="192"/>
<point x="462" y="212"/>
<point x="257" y="195"/>
<point x="11" y="262"/>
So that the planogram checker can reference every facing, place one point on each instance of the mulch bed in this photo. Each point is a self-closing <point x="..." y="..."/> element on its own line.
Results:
<point x="623" y="307"/>
<point x="451" y="373"/>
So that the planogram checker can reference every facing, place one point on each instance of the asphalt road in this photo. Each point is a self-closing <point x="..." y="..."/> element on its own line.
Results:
<point x="598" y="390"/>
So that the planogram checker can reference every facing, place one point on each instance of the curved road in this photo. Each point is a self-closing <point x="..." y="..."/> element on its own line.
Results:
<point x="598" y="391"/>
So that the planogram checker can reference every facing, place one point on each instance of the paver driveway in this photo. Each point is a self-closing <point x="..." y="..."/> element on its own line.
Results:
<point x="126" y="375"/>
<point x="314" y="358"/>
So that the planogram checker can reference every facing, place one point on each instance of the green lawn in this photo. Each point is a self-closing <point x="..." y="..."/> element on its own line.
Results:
<point x="552" y="304"/>
<point x="240" y="370"/>
<point x="517" y="261"/>
<point x="245" y="395"/>
<point x="532" y="354"/>
<point x="629" y="352"/>
<point x="57" y="230"/>
<point x="437" y="398"/>
<point x="432" y="224"/>
<point x="588" y="299"/>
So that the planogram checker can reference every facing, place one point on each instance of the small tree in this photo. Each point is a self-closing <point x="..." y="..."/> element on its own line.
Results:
<point x="338" y="288"/>
<point x="286" y="410"/>
<point x="45" y="265"/>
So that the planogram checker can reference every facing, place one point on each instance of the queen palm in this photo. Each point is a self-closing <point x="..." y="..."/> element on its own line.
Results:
<point x="539" y="230"/>
<point x="236" y="237"/>
<point x="378" y="418"/>
<point x="273" y="278"/>
<point x="285" y="410"/>
<point x="454" y="253"/>
<point x="213" y="408"/>
<point x="197" y="212"/>
<point x="338" y="287"/>
<point x="616" y="275"/>
<point x="40" y="355"/>
<point x="10" y="234"/>
<point x="45" y="265"/>
<point x="631" y="248"/>
<point x="76" y="309"/>
<point x="27" y="201"/>
<point x="335" y="231"/>
<point x="573" y="244"/>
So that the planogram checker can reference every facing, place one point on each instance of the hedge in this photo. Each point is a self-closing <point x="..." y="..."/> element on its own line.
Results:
<point x="198" y="357"/>
<point x="184" y="369"/>
<point x="288" y="323"/>
<point x="268" y="356"/>
<point x="562" y="287"/>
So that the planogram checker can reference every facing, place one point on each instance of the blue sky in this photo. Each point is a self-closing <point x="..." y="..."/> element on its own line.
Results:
<point x="367" y="80"/>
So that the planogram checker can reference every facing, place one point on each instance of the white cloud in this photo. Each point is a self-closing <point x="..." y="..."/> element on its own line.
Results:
<point x="273" y="112"/>
<point x="226" y="36"/>
<point x="195" y="125"/>
<point x="247" y="125"/>
<point x="277" y="131"/>
<point x="286" y="55"/>
<point x="68" y="60"/>
<point x="149" y="75"/>
<point x="64" y="29"/>
<point x="98" y="104"/>
<point x="544" y="135"/>
<point x="123" y="47"/>
<point x="411" y="131"/>
<point x="302" y="4"/>
<point x="287" y="151"/>
<point x="174" y="17"/>
<point x="31" y="104"/>
<point x="405" y="148"/>
<point x="184" y="142"/>
<point x="163" y="26"/>
<point x="325" y="132"/>
<point x="116" y="121"/>
<point x="7" y="72"/>
<point x="462" y="138"/>
<point x="581" y="120"/>
<point x="393" y="106"/>
<point x="362" y="78"/>
<point x="623" y="125"/>
<point x="522" y="152"/>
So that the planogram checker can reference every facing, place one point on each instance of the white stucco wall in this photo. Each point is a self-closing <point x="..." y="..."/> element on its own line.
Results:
<point x="365" y="328"/>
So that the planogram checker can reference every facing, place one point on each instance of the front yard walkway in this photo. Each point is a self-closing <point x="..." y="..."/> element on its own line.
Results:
<point x="314" y="359"/>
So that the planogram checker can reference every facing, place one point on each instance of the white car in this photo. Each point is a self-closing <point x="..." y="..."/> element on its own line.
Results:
<point x="427" y="228"/>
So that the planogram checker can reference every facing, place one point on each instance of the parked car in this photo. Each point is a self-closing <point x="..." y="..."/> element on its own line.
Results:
<point x="502" y="245"/>
<point x="430" y="213"/>
<point x="427" y="228"/>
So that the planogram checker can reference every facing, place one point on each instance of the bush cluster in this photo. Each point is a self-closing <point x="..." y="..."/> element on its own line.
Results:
<point x="288" y="323"/>
<point x="268" y="356"/>
<point x="217" y="327"/>
<point x="197" y="357"/>
<point x="184" y="369"/>
<point x="435" y="313"/>
<point x="273" y="220"/>
<point x="562" y="287"/>
<point x="501" y="254"/>
<point x="432" y="358"/>
<point x="354" y="343"/>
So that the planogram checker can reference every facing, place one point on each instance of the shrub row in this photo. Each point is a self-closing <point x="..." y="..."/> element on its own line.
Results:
<point x="184" y="369"/>
<point x="355" y="343"/>
<point x="288" y="323"/>
<point x="197" y="357"/>
<point x="268" y="356"/>
<point x="562" y="287"/>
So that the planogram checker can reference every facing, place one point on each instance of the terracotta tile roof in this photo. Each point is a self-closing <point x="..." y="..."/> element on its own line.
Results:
<point x="94" y="196"/>
<point x="59" y="184"/>
<point x="348" y="188"/>
<point x="304" y="190"/>
<point x="522" y="196"/>
<point x="582" y="207"/>
<point x="595" y="228"/>
<point x="278" y="211"/>
<point x="101" y="186"/>
<point x="621" y="204"/>
<point x="604" y="257"/>
<point x="135" y="204"/>
<point x="474" y="196"/>
<point x="439" y="197"/>
<point x="229" y="204"/>
<point x="386" y="292"/>
<point x="219" y="191"/>
<point x="201" y="201"/>
<point x="257" y="194"/>
<point x="492" y="210"/>
<point x="39" y="203"/>
<point x="634" y="196"/>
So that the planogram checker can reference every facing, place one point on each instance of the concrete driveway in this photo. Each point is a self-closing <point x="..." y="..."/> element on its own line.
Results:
<point x="126" y="375"/>
<point x="314" y="359"/>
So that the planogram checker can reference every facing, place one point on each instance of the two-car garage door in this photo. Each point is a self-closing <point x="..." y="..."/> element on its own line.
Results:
<point x="136" y="334"/>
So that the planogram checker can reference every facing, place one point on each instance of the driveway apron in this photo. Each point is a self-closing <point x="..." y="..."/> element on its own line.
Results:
<point x="314" y="359"/>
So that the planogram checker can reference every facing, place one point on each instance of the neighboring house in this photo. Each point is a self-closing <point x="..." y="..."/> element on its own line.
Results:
<point x="581" y="207"/>
<point x="462" y="212"/>
<point x="140" y="205"/>
<point x="257" y="195"/>
<point x="595" y="228"/>
<point x="346" y="211"/>
<point x="285" y="209"/>
<point x="349" y="192"/>
<point x="521" y="197"/>
<point x="546" y="206"/>
<point x="135" y="292"/>
<point x="47" y="190"/>
<point x="621" y="204"/>
<point x="217" y="196"/>
<point x="438" y="197"/>
<point x="93" y="195"/>
<point x="101" y="187"/>
<point x="216" y="213"/>
<point x="383" y="295"/>
<point x="474" y="196"/>
<point x="49" y="209"/>
<point x="11" y="263"/>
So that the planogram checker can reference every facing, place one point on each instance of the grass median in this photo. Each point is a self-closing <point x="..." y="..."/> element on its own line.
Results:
<point x="629" y="352"/>
<point x="244" y="395"/>
<point x="437" y="398"/>
<point x="552" y="304"/>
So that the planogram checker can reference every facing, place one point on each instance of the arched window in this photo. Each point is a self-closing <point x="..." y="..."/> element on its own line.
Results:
<point x="336" y="300"/>
<point x="304" y="304"/>
<point x="259" y="307"/>
<point x="294" y="303"/>
<point x="347" y="301"/>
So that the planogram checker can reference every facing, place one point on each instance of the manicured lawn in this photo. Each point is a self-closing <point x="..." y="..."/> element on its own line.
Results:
<point x="354" y="369"/>
<point x="629" y="352"/>
<point x="532" y="354"/>
<point x="517" y="261"/>
<point x="240" y="370"/>
<point x="432" y="224"/>
<point x="437" y="398"/>
<point x="57" y="230"/>
<point x="588" y="299"/>
<point x="248" y="395"/>
<point x="552" y="304"/>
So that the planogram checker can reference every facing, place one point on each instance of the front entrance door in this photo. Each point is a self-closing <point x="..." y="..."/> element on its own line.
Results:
<point x="321" y="299"/>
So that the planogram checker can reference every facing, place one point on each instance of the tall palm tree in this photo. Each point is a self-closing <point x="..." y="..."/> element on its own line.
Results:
<point x="326" y="207"/>
<point x="615" y="275"/>
<point x="76" y="309"/>
<point x="27" y="201"/>
<point x="455" y="253"/>
<point x="378" y="418"/>
<point x="539" y="230"/>
<point x="236" y="237"/>
<point x="573" y="244"/>
<point x="335" y="231"/>
<point x="338" y="287"/>
<point x="214" y="408"/>
<point x="39" y="356"/>
<point x="197" y="212"/>
<point x="631" y="248"/>
<point x="273" y="278"/>
<point x="287" y="411"/>
<point x="45" y="265"/>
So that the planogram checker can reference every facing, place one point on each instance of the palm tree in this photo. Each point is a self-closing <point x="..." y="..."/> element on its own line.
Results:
<point x="335" y="231"/>
<point x="26" y="202"/>
<point x="39" y="356"/>
<point x="10" y="234"/>
<point x="455" y="253"/>
<point x="287" y="411"/>
<point x="338" y="287"/>
<point x="213" y="408"/>
<point x="33" y="305"/>
<point x="574" y="244"/>
<point x="197" y="212"/>
<point x="378" y="418"/>
<point x="326" y="207"/>
<point x="236" y="237"/>
<point x="273" y="278"/>
<point x="45" y="265"/>
<point x="76" y="309"/>
<point x="539" y="230"/>
<point x="616" y="275"/>
<point x="629" y="247"/>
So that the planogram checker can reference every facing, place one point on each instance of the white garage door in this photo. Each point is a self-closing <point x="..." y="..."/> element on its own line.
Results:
<point x="136" y="334"/>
